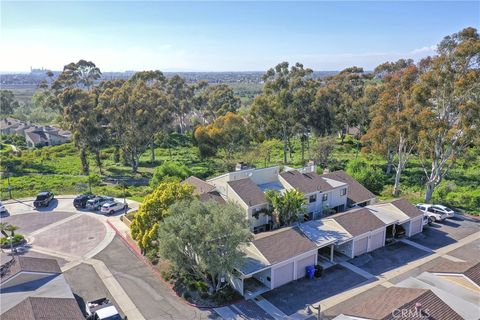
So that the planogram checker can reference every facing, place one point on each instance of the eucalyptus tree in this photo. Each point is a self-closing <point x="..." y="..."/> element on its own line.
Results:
<point x="449" y="93"/>
<point x="276" y="112"/>
<point x="136" y="110"/>
<point x="180" y="97"/>
<point x="218" y="100"/>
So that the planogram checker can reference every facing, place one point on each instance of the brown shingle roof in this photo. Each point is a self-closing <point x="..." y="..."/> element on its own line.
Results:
<point x="356" y="193"/>
<point x="45" y="309"/>
<point x="32" y="265"/>
<point x="385" y="301"/>
<point x="200" y="186"/>
<point x="358" y="221"/>
<point x="248" y="191"/>
<point x="212" y="195"/>
<point x="283" y="244"/>
<point x="306" y="182"/>
<point x="407" y="208"/>
<point x="470" y="269"/>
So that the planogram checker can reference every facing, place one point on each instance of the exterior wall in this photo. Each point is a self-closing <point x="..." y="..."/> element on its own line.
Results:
<point x="265" y="175"/>
<point x="414" y="227"/>
<point x="56" y="139"/>
<point x="360" y="246"/>
<point x="262" y="277"/>
<point x="283" y="274"/>
<point x="294" y="266"/>
<point x="336" y="199"/>
<point x="376" y="240"/>
<point x="302" y="264"/>
<point x="263" y="219"/>
<point x="345" y="248"/>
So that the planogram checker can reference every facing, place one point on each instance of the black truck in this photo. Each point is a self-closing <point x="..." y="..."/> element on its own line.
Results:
<point x="43" y="199"/>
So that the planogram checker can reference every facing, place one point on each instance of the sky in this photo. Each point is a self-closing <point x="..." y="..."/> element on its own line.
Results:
<point x="224" y="36"/>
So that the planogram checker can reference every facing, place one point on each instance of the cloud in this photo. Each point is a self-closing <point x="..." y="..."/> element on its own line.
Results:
<point x="426" y="49"/>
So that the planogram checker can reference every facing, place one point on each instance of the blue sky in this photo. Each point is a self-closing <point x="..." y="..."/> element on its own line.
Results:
<point x="224" y="36"/>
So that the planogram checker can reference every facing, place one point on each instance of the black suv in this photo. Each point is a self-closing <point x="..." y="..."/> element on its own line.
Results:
<point x="43" y="199"/>
<point x="80" y="202"/>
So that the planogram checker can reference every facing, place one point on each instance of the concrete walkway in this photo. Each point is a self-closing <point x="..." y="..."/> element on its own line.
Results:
<point x="416" y="245"/>
<point x="357" y="270"/>
<point x="227" y="314"/>
<point x="276" y="313"/>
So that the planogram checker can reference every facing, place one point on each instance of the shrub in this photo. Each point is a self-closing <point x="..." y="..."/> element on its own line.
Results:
<point x="370" y="177"/>
<point x="18" y="238"/>
<point x="169" y="169"/>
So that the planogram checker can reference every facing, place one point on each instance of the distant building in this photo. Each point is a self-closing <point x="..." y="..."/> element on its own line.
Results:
<point x="35" y="136"/>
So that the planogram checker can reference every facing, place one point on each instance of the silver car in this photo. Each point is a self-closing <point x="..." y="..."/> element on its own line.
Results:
<point x="111" y="207"/>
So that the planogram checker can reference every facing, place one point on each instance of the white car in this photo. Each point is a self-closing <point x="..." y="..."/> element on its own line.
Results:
<point x="432" y="214"/>
<point x="442" y="209"/>
<point x="111" y="207"/>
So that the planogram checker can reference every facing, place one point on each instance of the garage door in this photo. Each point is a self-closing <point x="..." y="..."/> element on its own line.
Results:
<point x="301" y="264"/>
<point x="282" y="275"/>
<point x="360" y="246"/>
<point x="377" y="240"/>
<point x="416" y="226"/>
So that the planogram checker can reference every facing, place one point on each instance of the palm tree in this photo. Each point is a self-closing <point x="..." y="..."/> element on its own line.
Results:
<point x="7" y="227"/>
<point x="286" y="207"/>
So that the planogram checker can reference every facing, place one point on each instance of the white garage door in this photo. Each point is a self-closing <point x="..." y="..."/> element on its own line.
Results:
<point x="282" y="275"/>
<point x="377" y="240"/>
<point x="360" y="246"/>
<point x="301" y="264"/>
<point x="416" y="226"/>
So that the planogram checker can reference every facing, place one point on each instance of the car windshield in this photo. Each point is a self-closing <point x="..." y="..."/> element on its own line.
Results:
<point x="42" y="196"/>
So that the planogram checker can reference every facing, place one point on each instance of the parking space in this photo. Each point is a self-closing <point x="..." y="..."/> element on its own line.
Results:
<point x="388" y="258"/>
<point x="448" y="232"/>
<point x="294" y="296"/>
<point x="86" y="285"/>
<point x="30" y="222"/>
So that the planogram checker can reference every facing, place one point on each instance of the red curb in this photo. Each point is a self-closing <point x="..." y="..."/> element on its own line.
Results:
<point x="155" y="271"/>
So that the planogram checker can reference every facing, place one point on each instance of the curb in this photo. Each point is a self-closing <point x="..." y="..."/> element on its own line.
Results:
<point x="155" y="271"/>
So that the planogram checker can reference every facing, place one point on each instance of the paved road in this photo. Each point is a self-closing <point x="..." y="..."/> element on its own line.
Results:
<point x="151" y="296"/>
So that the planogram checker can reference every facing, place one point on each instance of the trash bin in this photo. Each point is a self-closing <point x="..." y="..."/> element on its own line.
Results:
<point x="318" y="271"/>
<point x="310" y="271"/>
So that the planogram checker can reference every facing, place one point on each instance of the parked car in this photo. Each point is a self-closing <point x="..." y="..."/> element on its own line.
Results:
<point x="442" y="209"/>
<point x="111" y="207"/>
<point x="3" y="210"/>
<point x="432" y="214"/>
<point x="102" y="309"/>
<point x="97" y="202"/>
<point x="425" y="220"/>
<point x="80" y="202"/>
<point x="43" y="199"/>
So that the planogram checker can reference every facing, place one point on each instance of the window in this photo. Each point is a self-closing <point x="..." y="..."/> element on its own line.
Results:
<point x="343" y="191"/>
<point x="325" y="197"/>
<point x="312" y="198"/>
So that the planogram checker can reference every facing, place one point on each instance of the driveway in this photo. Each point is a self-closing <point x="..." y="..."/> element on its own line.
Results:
<point x="151" y="296"/>
<point x="468" y="252"/>
<point x="86" y="285"/>
<point x="294" y="296"/>
<point x="442" y="234"/>
<point x="387" y="258"/>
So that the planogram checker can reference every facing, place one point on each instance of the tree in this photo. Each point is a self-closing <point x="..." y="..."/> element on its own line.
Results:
<point x="7" y="227"/>
<point x="323" y="150"/>
<point x="7" y="102"/>
<point x="203" y="240"/>
<point x="154" y="209"/>
<point x="266" y="148"/>
<point x="77" y="75"/>
<point x="368" y="176"/>
<point x="228" y="132"/>
<point x="217" y="100"/>
<point x="180" y="97"/>
<point x="277" y="111"/>
<point x="169" y="169"/>
<point x="449" y="93"/>
<point x="394" y="122"/>
<point x="137" y="111"/>
<point x="286" y="207"/>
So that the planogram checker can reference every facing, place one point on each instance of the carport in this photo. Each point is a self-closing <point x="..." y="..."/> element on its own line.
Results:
<point x="405" y="214"/>
<point x="272" y="260"/>
<point x="367" y="232"/>
<point x="325" y="233"/>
